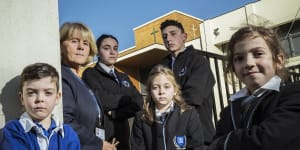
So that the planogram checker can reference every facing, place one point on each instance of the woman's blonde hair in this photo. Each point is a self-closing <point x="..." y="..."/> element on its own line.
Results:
<point x="67" y="31"/>
<point x="148" y="108"/>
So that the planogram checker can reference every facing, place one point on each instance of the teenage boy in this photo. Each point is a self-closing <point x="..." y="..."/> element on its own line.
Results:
<point x="192" y="72"/>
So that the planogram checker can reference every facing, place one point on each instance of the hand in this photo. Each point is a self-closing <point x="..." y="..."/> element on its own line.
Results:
<point x="115" y="142"/>
<point x="107" y="146"/>
<point x="110" y="146"/>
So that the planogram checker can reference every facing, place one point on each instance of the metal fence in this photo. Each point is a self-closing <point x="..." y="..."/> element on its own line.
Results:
<point x="224" y="88"/>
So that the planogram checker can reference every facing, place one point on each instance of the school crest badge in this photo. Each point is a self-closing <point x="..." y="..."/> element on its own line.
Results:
<point x="180" y="142"/>
<point x="182" y="71"/>
<point x="125" y="83"/>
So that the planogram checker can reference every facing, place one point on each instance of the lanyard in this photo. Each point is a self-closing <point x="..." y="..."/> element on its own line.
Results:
<point x="90" y="91"/>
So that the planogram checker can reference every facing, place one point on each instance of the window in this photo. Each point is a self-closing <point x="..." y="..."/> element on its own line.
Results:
<point x="291" y="41"/>
<point x="292" y="44"/>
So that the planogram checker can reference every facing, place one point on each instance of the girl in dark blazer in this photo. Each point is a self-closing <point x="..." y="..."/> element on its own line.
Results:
<point x="81" y="108"/>
<point x="265" y="114"/>
<point x="166" y="122"/>
<point x="117" y="94"/>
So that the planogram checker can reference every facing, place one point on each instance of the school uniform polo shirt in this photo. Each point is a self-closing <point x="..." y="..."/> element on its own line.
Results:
<point x="26" y="134"/>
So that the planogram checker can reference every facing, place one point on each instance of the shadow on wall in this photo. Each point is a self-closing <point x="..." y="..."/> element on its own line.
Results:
<point x="11" y="106"/>
<point x="1" y="134"/>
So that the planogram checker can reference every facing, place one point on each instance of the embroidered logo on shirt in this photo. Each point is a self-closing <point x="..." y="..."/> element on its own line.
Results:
<point x="125" y="83"/>
<point x="180" y="142"/>
<point x="182" y="71"/>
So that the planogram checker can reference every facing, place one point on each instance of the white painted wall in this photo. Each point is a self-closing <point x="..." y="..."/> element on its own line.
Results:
<point x="224" y="25"/>
<point x="195" y="43"/>
<point x="29" y="33"/>
<point x="270" y="12"/>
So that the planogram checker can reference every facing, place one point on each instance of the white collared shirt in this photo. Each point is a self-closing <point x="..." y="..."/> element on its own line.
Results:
<point x="272" y="84"/>
<point x="161" y="116"/>
<point x="106" y="68"/>
<point x="43" y="141"/>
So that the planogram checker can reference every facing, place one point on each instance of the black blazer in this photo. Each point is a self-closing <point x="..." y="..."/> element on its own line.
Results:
<point x="192" y="71"/>
<point x="80" y="110"/>
<point x="177" y="124"/>
<point x="272" y="124"/>
<point x="121" y="98"/>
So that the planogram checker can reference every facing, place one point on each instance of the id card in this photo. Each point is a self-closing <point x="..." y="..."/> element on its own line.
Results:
<point x="100" y="133"/>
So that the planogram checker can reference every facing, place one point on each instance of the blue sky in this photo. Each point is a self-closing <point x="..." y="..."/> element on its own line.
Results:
<point x="119" y="17"/>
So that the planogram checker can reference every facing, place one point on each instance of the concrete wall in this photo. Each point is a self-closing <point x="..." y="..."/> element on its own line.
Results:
<point x="264" y="12"/>
<point x="29" y="33"/>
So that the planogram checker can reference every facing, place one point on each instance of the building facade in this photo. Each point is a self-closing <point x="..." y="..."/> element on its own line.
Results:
<point x="211" y="37"/>
<point x="149" y="49"/>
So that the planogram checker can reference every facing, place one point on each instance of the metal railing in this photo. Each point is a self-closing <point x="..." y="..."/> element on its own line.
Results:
<point x="224" y="88"/>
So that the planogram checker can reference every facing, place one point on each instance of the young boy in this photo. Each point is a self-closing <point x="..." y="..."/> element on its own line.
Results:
<point x="38" y="128"/>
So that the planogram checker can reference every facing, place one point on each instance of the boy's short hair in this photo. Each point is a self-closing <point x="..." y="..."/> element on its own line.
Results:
<point x="38" y="71"/>
<point x="171" y="22"/>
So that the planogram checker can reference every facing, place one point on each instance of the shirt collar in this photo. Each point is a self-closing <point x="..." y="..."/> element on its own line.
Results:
<point x="173" y="57"/>
<point x="27" y="123"/>
<point x="106" y="68"/>
<point x="273" y="84"/>
<point x="171" y="108"/>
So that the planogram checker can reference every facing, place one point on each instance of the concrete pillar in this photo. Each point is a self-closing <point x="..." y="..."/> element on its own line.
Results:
<point x="29" y="33"/>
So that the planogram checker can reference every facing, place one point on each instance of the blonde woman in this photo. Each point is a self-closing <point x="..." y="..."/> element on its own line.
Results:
<point x="81" y="108"/>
